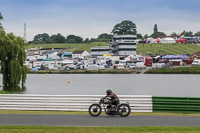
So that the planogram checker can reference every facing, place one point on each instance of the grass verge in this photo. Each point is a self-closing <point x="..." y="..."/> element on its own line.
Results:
<point x="86" y="113"/>
<point x="4" y="92"/>
<point x="141" y="48"/>
<point x="181" y="70"/>
<point x="52" y="129"/>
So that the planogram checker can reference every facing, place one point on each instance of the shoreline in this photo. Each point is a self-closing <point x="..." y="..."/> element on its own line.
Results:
<point x="84" y="72"/>
<point x="180" y="70"/>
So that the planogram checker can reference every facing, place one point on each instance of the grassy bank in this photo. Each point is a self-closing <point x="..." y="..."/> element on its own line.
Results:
<point x="182" y="70"/>
<point x="141" y="48"/>
<point x="167" y="48"/>
<point x="71" y="46"/>
<point x="86" y="113"/>
<point x="128" y="71"/>
<point x="52" y="129"/>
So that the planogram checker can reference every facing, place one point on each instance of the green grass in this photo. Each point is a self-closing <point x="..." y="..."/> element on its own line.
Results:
<point x="181" y="70"/>
<point x="52" y="129"/>
<point x="141" y="48"/>
<point x="167" y="48"/>
<point x="71" y="46"/>
<point x="4" y="92"/>
<point x="86" y="113"/>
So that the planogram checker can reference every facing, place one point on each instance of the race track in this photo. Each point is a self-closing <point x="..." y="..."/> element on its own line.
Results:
<point x="86" y="120"/>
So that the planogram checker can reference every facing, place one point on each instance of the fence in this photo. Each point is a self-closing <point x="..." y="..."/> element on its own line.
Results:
<point x="138" y="103"/>
<point x="176" y="104"/>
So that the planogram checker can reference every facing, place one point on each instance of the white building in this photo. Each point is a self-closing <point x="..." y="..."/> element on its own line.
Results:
<point x="123" y="45"/>
<point x="80" y="54"/>
<point x="99" y="51"/>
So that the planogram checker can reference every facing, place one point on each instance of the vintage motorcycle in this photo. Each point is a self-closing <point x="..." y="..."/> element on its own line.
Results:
<point x="122" y="109"/>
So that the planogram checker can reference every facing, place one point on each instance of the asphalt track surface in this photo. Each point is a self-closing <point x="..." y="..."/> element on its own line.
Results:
<point x="86" y="120"/>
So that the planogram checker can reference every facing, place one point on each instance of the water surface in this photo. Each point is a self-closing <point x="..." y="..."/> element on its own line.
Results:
<point x="122" y="84"/>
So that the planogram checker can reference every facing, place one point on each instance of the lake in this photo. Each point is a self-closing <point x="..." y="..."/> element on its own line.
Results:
<point x="123" y="84"/>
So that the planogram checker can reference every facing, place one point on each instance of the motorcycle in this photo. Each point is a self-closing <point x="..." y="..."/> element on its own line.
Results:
<point x="122" y="109"/>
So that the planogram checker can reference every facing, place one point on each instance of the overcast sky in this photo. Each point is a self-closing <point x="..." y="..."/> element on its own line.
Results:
<point x="89" y="18"/>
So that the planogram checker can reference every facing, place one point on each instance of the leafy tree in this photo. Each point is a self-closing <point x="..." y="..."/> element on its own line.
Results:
<point x="125" y="27"/>
<point x="79" y="39"/>
<point x="187" y="33"/>
<point x="145" y="36"/>
<point x="71" y="41"/>
<point x="156" y="33"/>
<point x="93" y="40"/>
<point x="139" y="36"/>
<point x="76" y="39"/>
<point x="1" y="18"/>
<point x="105" y="36"/>
<point x="197" y="34"/>
<point x="155" y="29"/>
<point x="57" y="38"/>
<point x="12" y="56"/>
<point x="173" y="34"/>
<point x="86" y="40"/>
<point x="41" y="38"/>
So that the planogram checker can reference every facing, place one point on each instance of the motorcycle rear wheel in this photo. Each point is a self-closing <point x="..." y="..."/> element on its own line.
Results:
<point x="95" y="110"/>
<point x="124" y="110"/>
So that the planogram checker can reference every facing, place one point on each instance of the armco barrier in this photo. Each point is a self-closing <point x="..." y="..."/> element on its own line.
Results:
<point x="138" y="103"/>
<point x="176" y="104"/>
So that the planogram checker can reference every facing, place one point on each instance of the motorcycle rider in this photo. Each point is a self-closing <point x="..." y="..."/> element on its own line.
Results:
<point x="114" y="99"/>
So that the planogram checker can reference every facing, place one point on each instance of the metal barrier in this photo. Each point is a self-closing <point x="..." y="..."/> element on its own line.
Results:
<point x="138" y="103"/>
<point x="176" y="104"/>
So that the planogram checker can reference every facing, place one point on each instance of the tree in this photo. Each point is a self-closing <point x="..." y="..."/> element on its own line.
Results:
<point x="86" y="40"/>
<point x="125" y="27"/>
<point x="197" y="34"/>
<point x="139" y="36"/>
<point x="187" y="33"/>
<point x="156" y="33"/>
<point x="41" y="38"/>
<point x="145" y="36"/>
<point x="93" y="40"/>
<point x="105" y="37"/>
<point x="71" y="41"/>
<point x="77" y="39"/>
<point x="1" y="18"/>
<point x="155" y="29"/>
<point x="57" y="38"/>
<point x="12" y="56"/>
<point x="173" y="34"/>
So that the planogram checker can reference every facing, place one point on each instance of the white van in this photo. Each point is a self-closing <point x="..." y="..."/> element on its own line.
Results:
<point x="140" y="65"/>
<point x="196" y="62"/>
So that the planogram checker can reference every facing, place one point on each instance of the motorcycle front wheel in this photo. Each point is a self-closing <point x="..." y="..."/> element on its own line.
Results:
<point x="95" y="110"/>
<point x="124" y="110"/>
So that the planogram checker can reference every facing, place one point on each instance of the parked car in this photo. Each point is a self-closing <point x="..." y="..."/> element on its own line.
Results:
<point x="140" y="65"/>
<point x="132" y="65"/>
<point x="120" y="66"/>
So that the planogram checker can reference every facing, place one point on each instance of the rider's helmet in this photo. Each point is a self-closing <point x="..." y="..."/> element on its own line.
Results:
<point x="108" y="92"/>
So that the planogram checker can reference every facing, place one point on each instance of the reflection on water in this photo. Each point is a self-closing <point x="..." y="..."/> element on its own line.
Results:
<point x="122" y="84"/>
<point x="15" y="90"/>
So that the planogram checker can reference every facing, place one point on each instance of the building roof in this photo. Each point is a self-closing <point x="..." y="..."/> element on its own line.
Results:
<point x="78" y="51"/>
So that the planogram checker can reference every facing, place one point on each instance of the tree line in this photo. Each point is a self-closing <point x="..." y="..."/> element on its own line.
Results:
<point x="58" y="38"/>
<point x="125" y="27"/>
